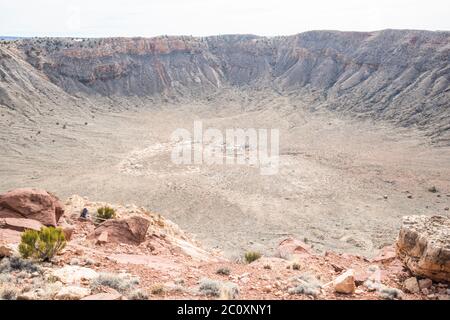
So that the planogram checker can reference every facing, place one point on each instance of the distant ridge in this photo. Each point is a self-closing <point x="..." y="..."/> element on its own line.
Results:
<point x="402" y="76"/>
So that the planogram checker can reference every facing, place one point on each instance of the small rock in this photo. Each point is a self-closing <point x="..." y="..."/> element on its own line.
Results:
<point x="345" y="283"/>
<point x="411" y="285"/>
<point x="103" y="238"/>
<point x="67" y="230"/>
<point x="267" y="289"/>
<point x="425" y="283"/>
<point x="104" y="296"/>
<point x="30" y="295"/>
<point x="72" y="293"/>
<point x="5" y="251"/>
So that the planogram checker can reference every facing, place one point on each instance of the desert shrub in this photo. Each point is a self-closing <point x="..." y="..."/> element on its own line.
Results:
<point x="157" y="289"/>
<point x="120" y="283"/>
<point x="138" y="295"/>
<point x="390" y="293"/>
<point x="105" y="213"/>
<point x="213" y="288"/>
<point x="210" y="287"/>
<point x="5" y="278"/>
<point x="42" y="245"/>
<point x="295" y="266"/>
<point x="306" y="288"/>
<point x="229" y="291"/>
<point x="252" y="256"/>
<point x="307" y="284"/>
<point x="267" y="267"/>
<point x="8" y="265"/>
<point x="8" y="293"/>
<point x="432" y="189"/>
<point x="223" y="271"/>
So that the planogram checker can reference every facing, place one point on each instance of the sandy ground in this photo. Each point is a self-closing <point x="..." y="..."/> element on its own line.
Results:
<point x="342" y="185"/>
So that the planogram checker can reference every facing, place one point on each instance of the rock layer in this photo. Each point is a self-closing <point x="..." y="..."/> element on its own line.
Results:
<point x="424" y="246"/>
<point x="397" y="75"/>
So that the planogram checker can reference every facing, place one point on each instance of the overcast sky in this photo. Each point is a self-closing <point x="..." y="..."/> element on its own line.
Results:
<point x="106" y="18"/>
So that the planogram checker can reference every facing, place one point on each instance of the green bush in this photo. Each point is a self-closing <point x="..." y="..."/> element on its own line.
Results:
<point x="105" y="213"/>
<point x="42" y="245"/>
<point x="252" y="256"/>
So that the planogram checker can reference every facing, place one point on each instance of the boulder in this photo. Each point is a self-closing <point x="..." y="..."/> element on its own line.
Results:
<point x="130" y="231"/>
<point x="33" y="204"/>
<point x="74" y="274"/>
<point x="345" y="283"/>
<point x="423" y="245"/>
<point x="72" y="293"/>
<point x="291" y="248"/>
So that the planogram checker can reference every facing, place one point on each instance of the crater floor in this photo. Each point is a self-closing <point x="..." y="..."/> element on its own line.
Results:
<point x="342" y="184"/>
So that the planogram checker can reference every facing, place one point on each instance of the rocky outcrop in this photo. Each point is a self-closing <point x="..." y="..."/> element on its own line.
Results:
<point x="130" y="231"/>
<point x="34" y="204"/>
<point x="292" y="249"/>
<point x="424" y="246"/>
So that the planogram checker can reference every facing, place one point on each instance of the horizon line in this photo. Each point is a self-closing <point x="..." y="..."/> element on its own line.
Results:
<point x="217" y="35"/>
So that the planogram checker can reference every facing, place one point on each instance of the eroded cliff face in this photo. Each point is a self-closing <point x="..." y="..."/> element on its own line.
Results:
<point x="402" y="76"/>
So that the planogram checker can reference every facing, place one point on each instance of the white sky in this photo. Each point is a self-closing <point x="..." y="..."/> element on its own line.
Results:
<point x="106" y="18"/>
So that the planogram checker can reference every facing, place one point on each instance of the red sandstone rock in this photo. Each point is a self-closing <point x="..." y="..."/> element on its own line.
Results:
<point x="292" y="248"/>
<point x="131" y="230"/>
<point x="20" y="224"/>
<point x="33" y="204"/>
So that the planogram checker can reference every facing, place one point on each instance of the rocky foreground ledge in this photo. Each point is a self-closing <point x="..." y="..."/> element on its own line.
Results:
<point x="141" y="255"/>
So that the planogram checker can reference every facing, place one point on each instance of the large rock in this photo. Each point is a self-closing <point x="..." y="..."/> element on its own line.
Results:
<point x="424" y="246"/>
<point x="33" y="204"/>
<point x="130" y="231"/>
<point x="74" y="274"/>
<point x="291" y="248"/>
<point x="72" y="293"/>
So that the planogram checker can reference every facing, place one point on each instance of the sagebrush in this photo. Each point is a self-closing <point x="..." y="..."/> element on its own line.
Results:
<point x="105" y="213"/>
<point x="252" y="256"/>
<point x="42" y="245"/>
